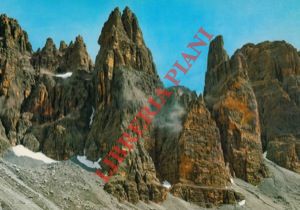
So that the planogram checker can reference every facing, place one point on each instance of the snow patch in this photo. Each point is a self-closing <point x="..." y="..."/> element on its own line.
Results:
<point x="22" y="151"/>
<point x="265" y="154"/>
<point x="65" y="75"/>
<point x="88" y="163"/>
<point x="92" y="116"/>
<point x="166" y="184"/>
<point x="242" y="203"/>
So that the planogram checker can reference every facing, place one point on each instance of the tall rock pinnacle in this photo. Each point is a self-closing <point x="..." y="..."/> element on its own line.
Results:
<point x="122" y="45"/>
<point x="16" y="74"/>
<point x="65" y="59"/>
<point x="75" y="57"/>
<point x="47" y="58"/>
<point x="274" y="71"/>
<point x="126" y="78"/>
<point x="229" y="95"/>
<point x="12" y="35"/>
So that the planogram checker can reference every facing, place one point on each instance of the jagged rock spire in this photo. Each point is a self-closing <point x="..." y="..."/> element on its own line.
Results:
<point x="122" y="46"/>
<point x="12" y="35"/>
<point x="230" y="97"/>
<point x="67" y="58"/>
<point x="76" y="57"/>
<point x="47" y="58"/>
<point x="62" y="46"/>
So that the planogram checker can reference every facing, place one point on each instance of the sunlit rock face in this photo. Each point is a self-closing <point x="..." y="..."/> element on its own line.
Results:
<point x="126" y="78"/>
<point x="122" y="45"/>
<point x="274" y="72"/>
<point x="230" y="97"/>
<point x="200" y="174"/>
<point x="55" y="101"/>
<point x="16" y="75"/>
<point x="67" y="58"/>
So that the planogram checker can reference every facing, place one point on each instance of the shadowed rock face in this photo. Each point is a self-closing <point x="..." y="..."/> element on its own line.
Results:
<point x="75" y="57"/>
<point x="229" y="95"/>
<point x="47" y="58"/>
<point x="122" y="45"/>
<point x="61" y="111"/>
<point x="12" y="35"/>
<point x="193" y="143"/>
<point x="16" y="74"/>
<point x="126" y="78"/>
<point x="200" y="173"/>
<point x="66" y="59"/>
<point x="167" y="127"/>
<point x="274" y="72"/>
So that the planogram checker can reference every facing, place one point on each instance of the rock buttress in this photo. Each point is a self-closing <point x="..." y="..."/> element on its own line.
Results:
<point x="274" y="72"/>
<point x="201" y="174"/>
<point x="16" y="75"/>
<point x="126" y="78"/>
<point x="230" y="97"/>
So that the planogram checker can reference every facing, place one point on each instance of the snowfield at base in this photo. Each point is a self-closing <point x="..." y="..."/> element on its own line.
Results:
<point x="242" y="203"/>
<point x="22" y="151"/>
<point x="88" y="163"/>
<point x="166" y="184"/>
<point x="64" y="76"/>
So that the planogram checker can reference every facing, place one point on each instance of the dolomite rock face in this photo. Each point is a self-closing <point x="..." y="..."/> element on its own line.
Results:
<point x="4" y="143"/>
<point x="47" y="58"/>
<point x="122" y="45"/>
<point x="126" y="77"/>
<point x="274" y="71"/>
<point x="75" y="57"/>
<point x="12" y="35"/>
<point x="193" y="143"/>
<point x="16" y="74"/>
<point x="201" y="175"/>
<point x="167" y="127"/>
<point x="61" y="110"/>
<point x="60" y="107"/>
<point x="65" y="59"/>
<point x="229" y="95"/>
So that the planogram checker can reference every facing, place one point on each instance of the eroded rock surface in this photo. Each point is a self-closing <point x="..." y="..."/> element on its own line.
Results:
<point x="274" y="71"/>
<point x="65" y="59"/>
<point x="126" y="77"/>
<point x="16" y="74"/>
<point x="230" y="97"/>
<point x="201" y="175"/>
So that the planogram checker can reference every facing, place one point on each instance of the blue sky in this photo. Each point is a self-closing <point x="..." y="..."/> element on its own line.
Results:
<point x="168" y="26"/>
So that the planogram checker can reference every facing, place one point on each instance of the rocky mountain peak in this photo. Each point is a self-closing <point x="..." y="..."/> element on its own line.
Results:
<point x="230" y="97"/>
<point x="62" y="46"/>
<point x="12" y="35"/>
<point x="217" y="53"/>
<point x="47" y="58"/>
<point x="67" y="58"/>
<point x="122" y="46"/>
<point x="49" y="45"/>
<point x="131" y="26"/>
<point x="76" y="57"/>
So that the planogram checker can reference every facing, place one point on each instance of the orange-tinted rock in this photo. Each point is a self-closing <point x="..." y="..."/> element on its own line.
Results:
<point x="122" y="45"/>
<point x="126" y="77"/>
<point x="61" y="111"/>
<point x="75" y="57"/>
<point x="66" y="59"/>
<point x="230" y="97"/>
<point x="12" y="36"/>
<point x="274" y="71"/>
<point x="47" y="58"/>
<point x="16" y="74"/>
<point x="201" y="175"/>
